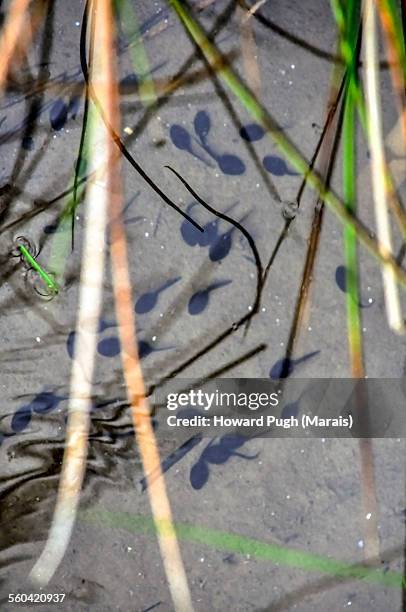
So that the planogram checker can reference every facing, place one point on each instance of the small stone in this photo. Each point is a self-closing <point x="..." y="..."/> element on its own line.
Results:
<point x="289" y="210"/>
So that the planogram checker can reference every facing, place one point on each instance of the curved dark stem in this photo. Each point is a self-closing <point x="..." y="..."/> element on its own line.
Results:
<point x="225" y="217"/>
<point x="247" y="317"/>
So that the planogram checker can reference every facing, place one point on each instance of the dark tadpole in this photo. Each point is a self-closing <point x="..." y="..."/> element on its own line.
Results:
<point x="53" y="228"/>
<point x="221" y="248"/>
<point x="43" y="402"/>
<point x="277" y="166"/>
<point x="103" y="325"/>
<point x="217" y="454"/>
<point x="340" y="278"/>
<point x="252" y="132"/>
<point x="110" y="347"/>
<point x="283" y="368"/>
<point x="145" y="348"/>
<point x="178" y="454"/>
<point x="70" y="341"/>
<point x="200" y="300"/>
<point x="190" y="233"/>
<point x="341" y="281"/>
<point x="202" y="125"/>
<point x="149" y="300"/>
<point x="46" y="401"/>
<point x="129" y="83"/>
<point x="210" y="233"/>
<point x="291" y="410"/>
<point x="228" y="163"/>
<point x="192" y="236"/>
<point x="58" y="114"/>
<point x="21" y="418"/>
<point x="183" y="141"/>
<point x="74" y="106"/>
<point x="199" y="475"/>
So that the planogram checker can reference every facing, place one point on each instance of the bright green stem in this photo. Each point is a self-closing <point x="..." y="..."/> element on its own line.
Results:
<point x="347" y="23"/>
<point x="50" y="283"/>
<point x="349" y="31"/>
<point x="243" y="545"/>
<point x="348" y="52"/>
<point x="260" y="114"/>
<point x="350" y="240"/>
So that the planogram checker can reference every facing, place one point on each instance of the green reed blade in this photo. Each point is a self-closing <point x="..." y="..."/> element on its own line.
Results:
<point x="349" y="24"/>
<point x="350" y="239"/>
<point x="244" y="545"/>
